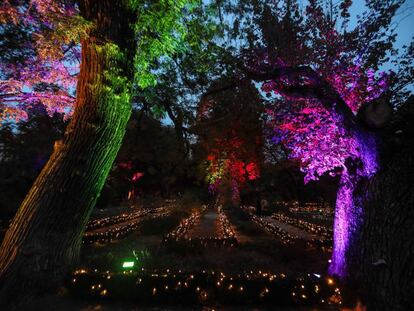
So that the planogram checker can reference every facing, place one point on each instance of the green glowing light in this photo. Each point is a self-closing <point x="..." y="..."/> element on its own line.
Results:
<point x="128" y="264"/>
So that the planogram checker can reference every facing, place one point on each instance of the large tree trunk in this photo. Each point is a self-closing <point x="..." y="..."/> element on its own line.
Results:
<point x="349" y="201"/>
<point x="346" y="222"/>
<point x="45" y="236"/>
<point x="383" y="265"/>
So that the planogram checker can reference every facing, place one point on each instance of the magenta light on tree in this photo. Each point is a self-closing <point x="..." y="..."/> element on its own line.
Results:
<point x="348" y="212"/>
<point x="319" y="140"/>
<point x="49" y="75"/>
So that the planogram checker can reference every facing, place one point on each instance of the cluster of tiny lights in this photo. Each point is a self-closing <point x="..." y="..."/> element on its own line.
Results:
<point x="282" y="235"/>
<point x="120" y="230"/>
<point x="169" y="286"/>
<point x="310" y="209"/>
<point x="225" y="229"/>
<point x="320" y="242"/>
<point x="224" y="233"/>
<point x="182" y="230"/>
<point x="325" y="233"/>
<point x="112" y="220"/>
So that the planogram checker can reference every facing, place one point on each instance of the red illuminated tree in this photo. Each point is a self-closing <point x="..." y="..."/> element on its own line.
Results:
<point x="230" y="131"/>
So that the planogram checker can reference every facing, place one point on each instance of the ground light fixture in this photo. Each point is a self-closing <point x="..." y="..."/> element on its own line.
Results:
<point x="128" y="264"/>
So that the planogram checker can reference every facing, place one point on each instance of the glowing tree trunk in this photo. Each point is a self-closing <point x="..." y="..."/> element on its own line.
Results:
<point x="342" y="224"/>
<point x="44" y="239"/>
<point x="349" y="202"/>
<point x="348" y="215"/>
<point x="357" y="171"/>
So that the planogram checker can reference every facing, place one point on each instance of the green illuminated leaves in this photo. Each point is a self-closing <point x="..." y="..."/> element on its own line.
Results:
<point x="161" y="32"/>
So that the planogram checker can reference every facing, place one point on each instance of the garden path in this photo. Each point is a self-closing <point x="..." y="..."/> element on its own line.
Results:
<point x="207" y="225"/>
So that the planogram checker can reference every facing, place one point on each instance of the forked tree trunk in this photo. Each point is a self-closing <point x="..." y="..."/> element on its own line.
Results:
<point x="44" y="239"/>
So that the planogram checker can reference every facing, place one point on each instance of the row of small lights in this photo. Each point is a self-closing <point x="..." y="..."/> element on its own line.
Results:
<point x="182" y="230"/>
<point x="284" y="236"/>
<point x="224" y="227"/>
<point x="287" y="238"/>
<point x="312" y="209"/>
<point x="324" y="239"/>
<point x="118" y="232"/>
<point x="113" y="220"/>
<point x="225" y="233"/>
<point x="323" y="231"/>
<point x="301" y="292"/>
<point x="305" y="206"/>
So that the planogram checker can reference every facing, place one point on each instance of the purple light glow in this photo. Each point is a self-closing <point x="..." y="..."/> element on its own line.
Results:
<point x="344" y="203"/>
<point x="348" y="210"/>
<point x="316" y="138"/>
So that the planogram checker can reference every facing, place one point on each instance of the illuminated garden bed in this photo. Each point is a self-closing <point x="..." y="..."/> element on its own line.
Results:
<point x="202" y="242"/>
<point x="182" y="230"/>
<point x="112" y="220"/>
<point x="324" y="233"/>
<point x="206" y="287"/>
<point x="120" y="230"/>
<point x="285" y="237"/>
<point x="181" y="236"/>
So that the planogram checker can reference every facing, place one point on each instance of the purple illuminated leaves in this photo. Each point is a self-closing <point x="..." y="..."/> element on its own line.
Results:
<point x="314" y="135"/>
<point x="49" y="75"/>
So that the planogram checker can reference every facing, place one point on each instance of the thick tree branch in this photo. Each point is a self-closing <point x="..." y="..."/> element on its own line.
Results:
<point x="303" y="82"/>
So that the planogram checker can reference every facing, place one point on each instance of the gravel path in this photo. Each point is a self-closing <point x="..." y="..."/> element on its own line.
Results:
<point x="206" y="227"/>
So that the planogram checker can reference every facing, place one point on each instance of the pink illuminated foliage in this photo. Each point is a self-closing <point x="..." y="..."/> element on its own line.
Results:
<point x="318" y="74"/>
<point x="314" y="134"/>
<point x="47" y="73"/>
<point x="136" y="176"/>
<point x="314" y="138"/>
<point x="131" y="176"/>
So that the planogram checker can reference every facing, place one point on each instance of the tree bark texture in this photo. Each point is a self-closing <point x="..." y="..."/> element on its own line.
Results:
<point x="346" y="221"/>
<point x="44" y="239"/>
<point x="383" y="264"/>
